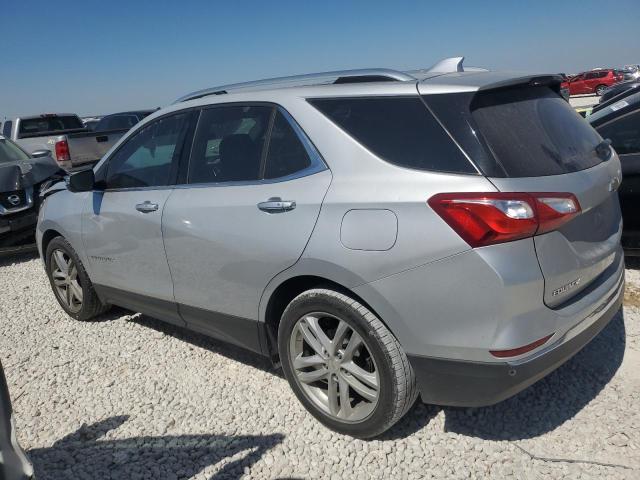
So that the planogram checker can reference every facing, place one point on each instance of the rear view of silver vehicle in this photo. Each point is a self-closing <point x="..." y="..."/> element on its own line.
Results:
<point x="444" y="233"/>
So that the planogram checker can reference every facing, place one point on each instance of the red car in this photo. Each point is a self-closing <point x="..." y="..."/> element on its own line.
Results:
<point x="595" y="81"/>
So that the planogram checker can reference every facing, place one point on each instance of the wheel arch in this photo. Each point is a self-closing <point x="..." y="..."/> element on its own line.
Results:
<point x="289" y="288"/>
<point x="47" y="236"/>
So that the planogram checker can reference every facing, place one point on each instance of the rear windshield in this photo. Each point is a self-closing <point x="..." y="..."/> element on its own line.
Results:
<point x="399" y="130"/>
<point x="53" y="124"/>
<point x="534" y="132"/>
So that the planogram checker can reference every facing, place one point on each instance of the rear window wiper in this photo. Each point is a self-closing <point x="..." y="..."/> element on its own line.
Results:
<point x="603" y="149"/>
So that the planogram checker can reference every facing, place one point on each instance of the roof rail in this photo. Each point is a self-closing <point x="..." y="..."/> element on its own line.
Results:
<point x="339" y="76"/>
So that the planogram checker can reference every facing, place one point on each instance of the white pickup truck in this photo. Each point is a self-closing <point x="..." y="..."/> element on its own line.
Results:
<point x="63" y="135"/>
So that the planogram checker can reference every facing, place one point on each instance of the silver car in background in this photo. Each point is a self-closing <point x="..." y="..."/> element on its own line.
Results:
<point x="445" y="233"/>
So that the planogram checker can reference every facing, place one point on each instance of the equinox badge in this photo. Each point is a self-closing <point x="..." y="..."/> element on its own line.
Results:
<point x="567" y="287"/>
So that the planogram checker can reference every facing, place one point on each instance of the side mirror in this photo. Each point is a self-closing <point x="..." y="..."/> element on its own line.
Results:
<point x="82" y="181"/>
<point x="40" y="153"/>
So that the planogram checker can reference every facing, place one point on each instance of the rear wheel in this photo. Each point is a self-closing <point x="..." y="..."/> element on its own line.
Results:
<point x="343" y="364"/>
<point x="70" y="282"/>
<point x="600" y="89"/>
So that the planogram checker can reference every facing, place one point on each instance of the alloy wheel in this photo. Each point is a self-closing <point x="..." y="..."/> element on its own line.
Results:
<point x="64" y="273"/>
<point x="334" y="367"/>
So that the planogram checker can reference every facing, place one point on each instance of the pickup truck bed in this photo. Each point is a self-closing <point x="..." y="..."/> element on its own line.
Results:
<point x="88" y="147"/>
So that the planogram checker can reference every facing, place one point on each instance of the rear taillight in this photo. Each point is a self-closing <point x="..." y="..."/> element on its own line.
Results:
<point x="489" y="218"/>
<point x="62" y="151"/>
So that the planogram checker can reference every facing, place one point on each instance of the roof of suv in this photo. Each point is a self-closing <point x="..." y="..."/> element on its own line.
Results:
<point x="448" y="75"/>
<point x="435" y="83"/>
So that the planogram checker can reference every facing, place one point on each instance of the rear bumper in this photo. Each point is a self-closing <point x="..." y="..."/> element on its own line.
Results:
<point x="476" y="384"/>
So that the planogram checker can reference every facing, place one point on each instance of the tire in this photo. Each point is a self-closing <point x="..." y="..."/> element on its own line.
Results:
<point x="600" y="90"/>
<point x="379" y="361"/>
<point x="65" y="286"/>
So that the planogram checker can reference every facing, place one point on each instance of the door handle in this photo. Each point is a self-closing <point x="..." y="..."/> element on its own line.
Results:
<point x="102" y="138"/>
<point x="277" y="205"/>
<point x="147" y="207"/>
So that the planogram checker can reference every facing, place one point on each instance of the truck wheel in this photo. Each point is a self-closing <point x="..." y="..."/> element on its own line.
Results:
<point x="343" y="364"/>
<point x="70" y="282"/>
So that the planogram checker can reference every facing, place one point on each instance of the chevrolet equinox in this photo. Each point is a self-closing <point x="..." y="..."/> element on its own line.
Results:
<point x="448" y="233"/>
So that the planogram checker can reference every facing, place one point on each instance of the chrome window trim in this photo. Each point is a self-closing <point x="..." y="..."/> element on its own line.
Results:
<point x="135" y="189"/>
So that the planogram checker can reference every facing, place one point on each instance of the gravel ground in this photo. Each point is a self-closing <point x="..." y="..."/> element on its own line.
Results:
<point x="128" y="397"/>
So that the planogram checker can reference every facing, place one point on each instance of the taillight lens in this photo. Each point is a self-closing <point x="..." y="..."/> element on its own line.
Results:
<point x="489" y="218"/>
<point x="514" y="352"/>
<point x="62" y="151"/>
<point x="554" y="210"/>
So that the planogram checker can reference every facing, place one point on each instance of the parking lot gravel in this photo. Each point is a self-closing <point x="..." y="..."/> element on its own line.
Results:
<point x="128" y="397"/>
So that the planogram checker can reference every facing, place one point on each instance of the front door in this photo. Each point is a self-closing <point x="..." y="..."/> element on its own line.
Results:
<point x="246" y="213"/>
<point x="122" y="224"/>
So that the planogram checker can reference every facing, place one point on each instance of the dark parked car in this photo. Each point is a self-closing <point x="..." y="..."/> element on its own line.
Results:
<point x="617" y="89"/>
<point x="14" y="464"/>
<point x="22" y="178"/>
<point x="620" y="123"/>
<point x="120" y="121"/>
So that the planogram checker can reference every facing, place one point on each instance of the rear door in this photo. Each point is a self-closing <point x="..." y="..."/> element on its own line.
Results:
<point x="122" y="224"/>
<point x="245" y="213"/>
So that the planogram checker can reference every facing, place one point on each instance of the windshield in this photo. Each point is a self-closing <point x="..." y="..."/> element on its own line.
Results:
<point x="10" y="152"/>
<point x="30" y="127"/>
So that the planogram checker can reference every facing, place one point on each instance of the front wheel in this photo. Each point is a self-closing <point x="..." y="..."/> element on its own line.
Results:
<point x="343" y="364"/>
<point x="70" y="282"/>
<point x="600" y="89"/>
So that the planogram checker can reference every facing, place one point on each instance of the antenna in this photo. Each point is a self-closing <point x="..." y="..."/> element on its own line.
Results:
<point x="448" y="65"/>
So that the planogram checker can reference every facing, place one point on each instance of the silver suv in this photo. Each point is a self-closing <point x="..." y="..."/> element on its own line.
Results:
<point x="444" y="233"/>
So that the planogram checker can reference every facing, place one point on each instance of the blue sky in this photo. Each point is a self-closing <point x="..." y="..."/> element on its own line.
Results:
<point x="94" y="57"/>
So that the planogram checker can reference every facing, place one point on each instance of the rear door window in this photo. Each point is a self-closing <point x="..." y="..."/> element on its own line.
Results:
<point x="286" y="154"/>
<point x="534" y="132"/>
<point x="399" y="130"/>
<point x="228" y="145"/>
